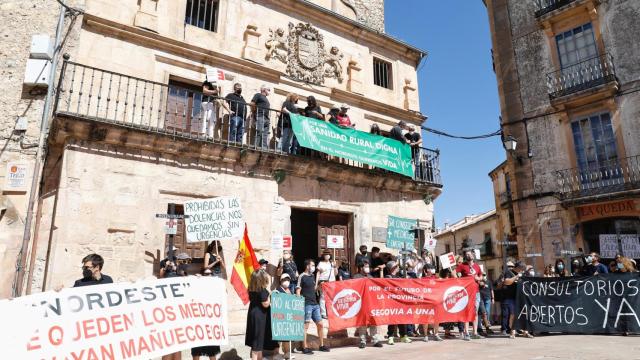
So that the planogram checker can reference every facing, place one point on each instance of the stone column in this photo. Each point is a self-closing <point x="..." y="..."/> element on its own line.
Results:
<point x="251" y="50"/>
<point x="147" y="17"/>
<point x="409" y="96"/>
<point x="354" y="84"/>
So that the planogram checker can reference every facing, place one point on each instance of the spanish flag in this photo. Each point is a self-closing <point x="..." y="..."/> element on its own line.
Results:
<point x="243" y="267"/>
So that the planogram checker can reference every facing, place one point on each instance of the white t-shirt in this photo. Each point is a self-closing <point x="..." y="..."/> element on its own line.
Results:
<point x="328" y="272"/>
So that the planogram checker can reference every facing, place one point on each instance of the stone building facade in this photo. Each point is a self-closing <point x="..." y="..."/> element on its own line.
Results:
<point x="568" y="77"/>
<point x="125" y="141"/>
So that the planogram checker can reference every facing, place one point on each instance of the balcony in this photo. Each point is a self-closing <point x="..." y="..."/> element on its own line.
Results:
<point x="610" y="179"/>
<point x="176" y="118"/>
<point x="586" y="77"/>
<point x="544" y="7"/>
<point x="505" y="199"/>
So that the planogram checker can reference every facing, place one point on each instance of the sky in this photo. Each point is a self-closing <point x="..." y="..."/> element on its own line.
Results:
<point x="459" y="94"/>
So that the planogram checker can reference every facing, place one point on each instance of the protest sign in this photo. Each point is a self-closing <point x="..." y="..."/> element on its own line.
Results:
<point x="287" y="317"/>
<point x="287" y="242"/>
<point x="430" y="243"/>
<point x="214" y="219"/>
<point x="602" y="304"/>
<point x="352" y="144"/>
<point x="364" y="302"/>
<point x="214" y="74"/>
<point x="401" y="233"/>
<point x="630" y="246"/>
<point x="608" y="245"/>
<point x="476" y="254"/>
<point x="141" y="320"/>
<point x="335" y="242"/>
<point x="447" y="260"/>
<point x="277" y="243"/>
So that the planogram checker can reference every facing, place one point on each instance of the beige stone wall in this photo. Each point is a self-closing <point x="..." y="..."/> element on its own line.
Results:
<point x="234" y="17"/>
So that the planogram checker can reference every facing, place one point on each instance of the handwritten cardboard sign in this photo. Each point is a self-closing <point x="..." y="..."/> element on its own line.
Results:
<point x="214" y="219"/>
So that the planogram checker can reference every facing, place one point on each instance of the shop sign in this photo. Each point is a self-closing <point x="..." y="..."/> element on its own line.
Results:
<point x="604" y="210"/>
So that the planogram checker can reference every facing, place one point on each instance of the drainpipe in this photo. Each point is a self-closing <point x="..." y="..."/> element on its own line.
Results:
<point x="18" y="279"/>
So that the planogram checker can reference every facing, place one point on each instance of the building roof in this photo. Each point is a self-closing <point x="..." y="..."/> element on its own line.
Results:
<point x="502" y="165"/>
<point x="466" y="222"/>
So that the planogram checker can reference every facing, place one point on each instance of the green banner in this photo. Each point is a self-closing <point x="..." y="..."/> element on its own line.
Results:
<point x="352" y="144"/>
<point x="401" y="233"/>
<point x="287" y="317"/>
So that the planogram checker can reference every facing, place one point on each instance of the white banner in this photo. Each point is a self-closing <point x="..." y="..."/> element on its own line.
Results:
<point x="447" y="260"/>
<point x="214" y="219"/>
<point x="335" y="242"/>
<point x="141" y="320"/>
<point x="608" y="245"/>
<point x="630" y="246"/>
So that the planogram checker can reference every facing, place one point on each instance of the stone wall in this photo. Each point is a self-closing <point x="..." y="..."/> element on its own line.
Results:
<point x="21" y="20"/>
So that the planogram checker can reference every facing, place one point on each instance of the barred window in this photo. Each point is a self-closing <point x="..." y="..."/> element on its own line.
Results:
<point x="202" y="13"/>
<point x="382" y="73"/>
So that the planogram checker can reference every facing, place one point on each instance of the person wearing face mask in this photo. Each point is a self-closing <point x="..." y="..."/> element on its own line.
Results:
<point x="288" y="266"/>
<point x="212" y="104"/>
<point x="487" y="298"/>
<point x="393" y="273"/>
<point x="327" y="271"/>
<point x="238" y="106"/>
<point x="284" y="288"/>
<point x="343" y="271"/>
<point x="594" y="266"/>
<point x="364" y="272"/>
<point x="623" y="264"/>
<point x="363" y="255"/>
<point x="92" y="272"/>
<point x="469" y="268"/>
<point x="307" y="286"/>
<point x="561" y="270"/>
<point x="576" y="268"/>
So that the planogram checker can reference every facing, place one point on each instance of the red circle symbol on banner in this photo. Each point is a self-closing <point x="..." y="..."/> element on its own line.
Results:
<point x="347" y="303"/>
<point x="455" y="299"/>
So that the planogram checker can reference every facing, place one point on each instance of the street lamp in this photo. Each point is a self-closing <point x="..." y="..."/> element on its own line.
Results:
<point x="509" y="143"/>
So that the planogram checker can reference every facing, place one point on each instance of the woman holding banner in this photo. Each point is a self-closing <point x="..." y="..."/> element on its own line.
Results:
<point x="258" y="332"/>
<point x="285" y="282"/>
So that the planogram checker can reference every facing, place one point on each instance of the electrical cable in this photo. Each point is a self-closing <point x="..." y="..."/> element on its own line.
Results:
<point x="475" y="137"/>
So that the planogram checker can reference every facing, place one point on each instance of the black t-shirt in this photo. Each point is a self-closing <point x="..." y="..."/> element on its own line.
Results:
<point x="308" y="112"/>
<point x="485" y="291"/>
<point x="509" y="291"/>
<point x="396" y="134"/>
<point x="307" y="285"/>
<point x="163" y="262"/>
<point x="237" y="104"/>
<point x="104" y="279"/>
<point x="262" y="105"/>
<point x="375" y="262"/>
<point x="286" y="119"/>
<point x="361" y="258"/>
<point x="344" y="274"/>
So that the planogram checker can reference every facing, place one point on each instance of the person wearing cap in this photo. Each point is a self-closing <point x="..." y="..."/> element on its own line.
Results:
<point x="260" y="109"/>
<point x="393" y="273"/>
<point x="509" y="281"/>
<point x="333" y="113"/>
<point x="263" y="264"/>
<point x="327" y="271"/>
<point x="343" y="118"/>
<point x="212" y="104"/>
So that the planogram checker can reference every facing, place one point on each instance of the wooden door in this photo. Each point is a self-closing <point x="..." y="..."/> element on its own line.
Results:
<point x="335" y="224"/>
<point x="195" y="250"/>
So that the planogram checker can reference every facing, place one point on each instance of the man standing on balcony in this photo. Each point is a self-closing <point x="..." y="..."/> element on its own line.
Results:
<point x="211" y="105"/>
<point x="238" y="111"/>
<point x="415" y="140"/>
<point x="260" y="106"/>
<point x="396" y="132"/>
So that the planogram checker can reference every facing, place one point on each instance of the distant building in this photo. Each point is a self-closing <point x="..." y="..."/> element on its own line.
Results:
<point x="568" y="79"/>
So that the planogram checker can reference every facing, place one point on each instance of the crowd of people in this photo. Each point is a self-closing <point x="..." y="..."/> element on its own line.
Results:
<point x="308" y="284"/>
<point x="262" y="120"/>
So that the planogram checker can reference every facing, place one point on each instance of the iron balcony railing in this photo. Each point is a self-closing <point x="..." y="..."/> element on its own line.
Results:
<point x="584" y="75"/>
<point x="606" y="178"/>
<point x="546" y="6"/>
<point x="109" y="97"/>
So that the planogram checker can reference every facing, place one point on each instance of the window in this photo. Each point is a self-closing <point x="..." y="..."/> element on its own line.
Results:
<point x="202" y="13"/>
<point x="447" y="248"/>
<point x="595" y="145"/>
<point x="382" y="73"/>
<point x="576" y="45"/>
<point x="487" y="245"/>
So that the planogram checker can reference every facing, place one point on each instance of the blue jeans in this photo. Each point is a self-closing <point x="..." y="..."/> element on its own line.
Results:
<point x="485" y="309"/>
<point x="236" y="129"/>
<point x="285" y="140"/>
<point x="312" y="312"/>
<point x="508" y="307"/>
<point x="263" y="127"/>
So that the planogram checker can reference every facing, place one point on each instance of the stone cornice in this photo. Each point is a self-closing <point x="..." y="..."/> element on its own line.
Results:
<point x="320" y="15"/>
<point x="364" y="102"/>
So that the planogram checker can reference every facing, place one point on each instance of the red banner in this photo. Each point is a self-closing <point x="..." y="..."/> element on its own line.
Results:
<point x="373" y="301"/>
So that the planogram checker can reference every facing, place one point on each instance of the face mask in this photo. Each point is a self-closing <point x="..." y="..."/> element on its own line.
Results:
<point x="363" y="252"/>
<point x="286" y="256"/>
<point x="432" y="271"/>
<point x="589" y="259"/>
<point x="532" y="273"/>
<point x="560" y="267"/>
<point x="327" y="257"/>
<point x="367" y="270"/>
<point x="87" y="274"/>
<point x="620" y="266"/>
<point x="238" y="91"/>
<point x="285" y="284"/>
<point x="312" y="269"/>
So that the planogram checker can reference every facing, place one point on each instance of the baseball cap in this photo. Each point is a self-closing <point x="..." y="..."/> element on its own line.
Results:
<point x="345" y="106"/>
<point x="285" y="276"/>
<point x="510" y="264"/>
<point x="263" y="261"/>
